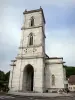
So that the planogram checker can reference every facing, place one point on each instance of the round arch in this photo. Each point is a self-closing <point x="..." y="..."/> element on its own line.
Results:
<point x="28" y="78"/>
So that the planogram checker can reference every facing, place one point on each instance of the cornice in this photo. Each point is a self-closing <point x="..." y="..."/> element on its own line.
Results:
<point x="24" y="28"/>
<point x="13" y="60"/>
<point x="54" y="63"/>
<point x="33" y="46"/>
<point x="37" y="10"/>
<point x="30" y="57"/>
<point x="54" y="58"/>
<point x="12" y="64"/>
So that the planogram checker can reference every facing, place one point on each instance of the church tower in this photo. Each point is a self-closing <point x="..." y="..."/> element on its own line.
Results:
<point x="29" y="64"/>
<point x="33" y="70"/>
<point x="32" y="43"/>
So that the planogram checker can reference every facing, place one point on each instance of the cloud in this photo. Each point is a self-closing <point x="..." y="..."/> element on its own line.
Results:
<point x="60" y="17"/>
<point x="60" y="43"/>
<point x="33" y="3"/>
<point x="60" y="28"/>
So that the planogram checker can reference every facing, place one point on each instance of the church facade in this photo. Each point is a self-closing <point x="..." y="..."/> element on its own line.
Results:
<point x="33" y="70"/>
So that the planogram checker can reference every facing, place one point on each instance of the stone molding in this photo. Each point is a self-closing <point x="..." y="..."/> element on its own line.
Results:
<point x="24" y="28"/>
<point x="32" y="46"/>
<point x="54" y="63"/>
<point x="12" y="64"/>
<point x="30" y="57"/>
<point x="13" y="60"/>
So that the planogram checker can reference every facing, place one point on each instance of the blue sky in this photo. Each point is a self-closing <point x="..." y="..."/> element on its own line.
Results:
<point x="60" y="28"/>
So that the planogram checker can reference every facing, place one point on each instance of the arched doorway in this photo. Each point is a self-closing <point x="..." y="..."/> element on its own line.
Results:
<point x="28" y="78"/>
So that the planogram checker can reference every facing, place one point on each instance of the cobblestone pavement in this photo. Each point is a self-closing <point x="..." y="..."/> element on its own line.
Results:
<point x="6" y="97"/>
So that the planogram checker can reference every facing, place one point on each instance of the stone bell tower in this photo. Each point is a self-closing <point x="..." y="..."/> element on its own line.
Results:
<point x="28" y="72"/>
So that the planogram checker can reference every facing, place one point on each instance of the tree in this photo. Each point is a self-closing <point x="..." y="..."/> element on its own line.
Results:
<point x="69" y="70"/>
<point x="7" y="76"/>
<point x="4" y="80"/>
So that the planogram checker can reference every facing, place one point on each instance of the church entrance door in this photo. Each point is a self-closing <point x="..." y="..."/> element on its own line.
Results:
<point x="28" y="78"/>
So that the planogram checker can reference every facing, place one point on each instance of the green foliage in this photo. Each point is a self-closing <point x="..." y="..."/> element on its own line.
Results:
<point x="4" y="79"/>
<point x="7" y="76"/>
<point x="2" y="75"/>
<point x="69" y="70"/>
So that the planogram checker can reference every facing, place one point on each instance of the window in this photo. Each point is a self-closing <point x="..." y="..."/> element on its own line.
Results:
<point x="53" y="80"/>
<point x="32" y="21"/>
<point x="69" y="87"/>
<point x="30" y="39"/>
<point x="74" y="88"/>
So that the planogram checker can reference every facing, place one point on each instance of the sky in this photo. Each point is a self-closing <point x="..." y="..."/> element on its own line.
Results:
<point x="59" y="28"/>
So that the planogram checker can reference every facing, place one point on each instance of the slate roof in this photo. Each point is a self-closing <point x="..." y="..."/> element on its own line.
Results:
<point x="71" y="79"/>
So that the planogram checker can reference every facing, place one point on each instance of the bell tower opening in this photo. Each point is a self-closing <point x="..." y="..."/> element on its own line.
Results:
<point x="32" y="21"/>
<point x="30" y="39"/>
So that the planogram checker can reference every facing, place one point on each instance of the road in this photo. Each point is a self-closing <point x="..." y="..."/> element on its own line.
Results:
<point x="7" y="97"/>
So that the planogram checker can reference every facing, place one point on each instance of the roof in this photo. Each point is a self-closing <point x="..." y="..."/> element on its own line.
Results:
<point x="37" y="10"/>
<point x="46" y="56"/>
<point x="13" y="60"/>
<point x="71" y="79"/>
<point x="55" y="58"/>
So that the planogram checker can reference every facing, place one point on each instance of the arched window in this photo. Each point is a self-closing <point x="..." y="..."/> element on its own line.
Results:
<point x="30" y="39"/>
<point x="32" y="21"/>
<point x="53" y="79"/>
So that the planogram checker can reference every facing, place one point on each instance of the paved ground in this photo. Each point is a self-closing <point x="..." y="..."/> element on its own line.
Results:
<point x="42" y="94"/>
<point x="34" y="98"/>
<point x="12" y="97"/>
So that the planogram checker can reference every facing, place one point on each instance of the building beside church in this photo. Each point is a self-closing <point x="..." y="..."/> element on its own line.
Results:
<point x="33" y="70"/>
<point x="71" y="83"/>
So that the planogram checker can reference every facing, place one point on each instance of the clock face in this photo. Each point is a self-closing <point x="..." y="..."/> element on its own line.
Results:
<point x="25" y="51"/>
<point x="30" y="50"/>
<point x="34" y="49"/>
